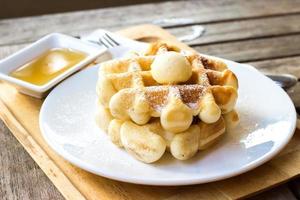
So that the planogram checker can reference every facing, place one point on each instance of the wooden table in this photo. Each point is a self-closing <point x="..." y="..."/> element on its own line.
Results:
<point x="265" y="34"/>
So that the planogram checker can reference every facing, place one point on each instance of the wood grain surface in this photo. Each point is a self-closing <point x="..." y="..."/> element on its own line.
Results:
<point x="237" y="30"/>
<point x="28" y="29"/>
<point x="262" y="33"/>
<point x="21" y="177"/>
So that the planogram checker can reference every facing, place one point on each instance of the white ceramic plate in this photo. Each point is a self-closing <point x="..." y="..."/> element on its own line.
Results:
<point x="267" y="123"/>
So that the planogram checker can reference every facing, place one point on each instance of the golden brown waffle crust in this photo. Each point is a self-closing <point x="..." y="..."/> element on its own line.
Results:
<point x="130" y="98"/>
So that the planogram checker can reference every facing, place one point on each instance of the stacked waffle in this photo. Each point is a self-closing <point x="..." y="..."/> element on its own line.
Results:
<point x="165" y="99"/>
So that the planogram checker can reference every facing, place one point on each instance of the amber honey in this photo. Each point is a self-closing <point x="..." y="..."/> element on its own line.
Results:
<point x="49" y="65"/>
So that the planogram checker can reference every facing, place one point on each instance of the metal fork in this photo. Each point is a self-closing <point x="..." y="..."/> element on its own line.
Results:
<point x="107" y="41"/>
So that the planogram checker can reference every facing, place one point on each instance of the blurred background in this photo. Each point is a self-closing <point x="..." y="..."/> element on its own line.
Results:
<point x="21" y="8"/>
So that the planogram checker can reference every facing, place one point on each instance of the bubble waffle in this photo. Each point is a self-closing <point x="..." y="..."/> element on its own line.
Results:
<point x="165" y="98"/>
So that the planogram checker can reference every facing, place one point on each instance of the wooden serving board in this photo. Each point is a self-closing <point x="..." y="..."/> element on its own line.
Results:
<point x="20" y="113"/>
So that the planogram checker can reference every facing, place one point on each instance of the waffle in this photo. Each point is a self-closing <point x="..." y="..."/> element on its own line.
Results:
<point x="147" y="109"/>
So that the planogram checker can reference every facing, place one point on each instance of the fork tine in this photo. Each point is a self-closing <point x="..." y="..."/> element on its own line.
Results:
<point x="108" y="41"/>
<point x="95" y="42"/>
<point x="111" y="39"/>
<point x="102" y="41"/>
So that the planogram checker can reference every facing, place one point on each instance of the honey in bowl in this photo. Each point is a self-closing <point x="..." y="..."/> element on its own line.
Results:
<point x="49" y="65"/>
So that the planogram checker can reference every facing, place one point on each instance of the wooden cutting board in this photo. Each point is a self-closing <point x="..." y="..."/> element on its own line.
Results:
<point x="20" y="113"/>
